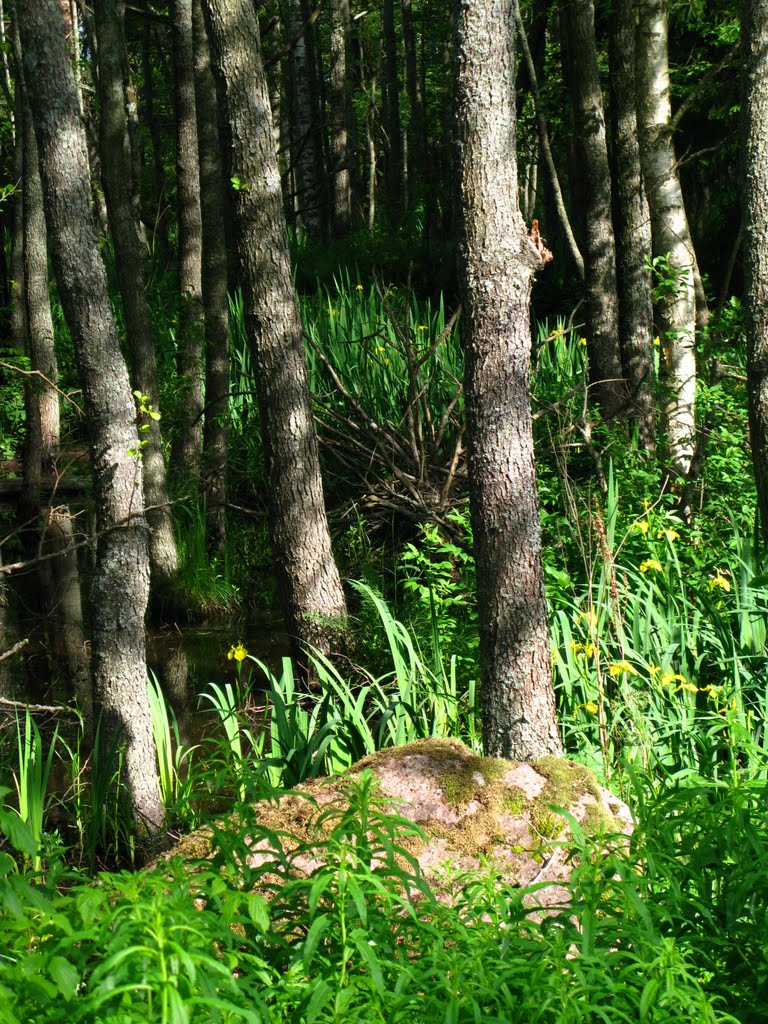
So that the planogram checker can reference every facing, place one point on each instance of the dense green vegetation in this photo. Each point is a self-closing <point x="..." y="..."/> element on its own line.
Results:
<point x="654" y="553"/>
<point x="659" y="637"/>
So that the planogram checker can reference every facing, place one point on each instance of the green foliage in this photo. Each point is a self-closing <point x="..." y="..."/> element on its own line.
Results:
<point x="31" y="781"/>
<point x="203" y="587"/>
<point x="670" y="928"/>
<point x="438" y="574"/>
<point x="173" y="759"/>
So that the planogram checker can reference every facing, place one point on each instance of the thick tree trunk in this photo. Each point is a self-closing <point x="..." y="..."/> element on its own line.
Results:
<point x="121" y="578"/>
<point x="671" y="237"/>
<point x="754" y="41"/>
<point x="496" y="267"/>
<point x="602" y="302"/>
<point x="215" y="297"/>
<point x="341" y="159"/>
<point x="633" y="239"/>
<point x="188" y="442"/>
<point x="307" y="573"/>
<point x="50" y="530"/>
<point x="306" y="156"/>
<point x="130" y="258"/>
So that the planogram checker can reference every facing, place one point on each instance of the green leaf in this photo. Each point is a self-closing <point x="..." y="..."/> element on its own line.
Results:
<point x="65" y="975"/>
<point x="89" y="902"/>
<point x="320" y="997"/>
<point x="314" y="935"/>
<point x="365" y="949"/>
<point x="258" y="911"/>
<point x="18" y="832"/>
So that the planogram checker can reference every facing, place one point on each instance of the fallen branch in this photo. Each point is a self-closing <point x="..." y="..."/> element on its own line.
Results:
<point x="55" y="709"/>
<point x="14" y="650"/>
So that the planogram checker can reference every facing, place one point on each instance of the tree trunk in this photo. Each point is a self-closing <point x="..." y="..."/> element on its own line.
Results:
<point x="49" y="530"/>
<point x="188" y="442"/>
<point x="754" y="41"/>
<point x="546" y="150"/>
<point x="71" y="649"/>
<point x="671" y="237"/>
<point x="496" y="268"/>
<point x="306" y="155"/>
<point x="308" y="577"/>
<point x="130" y="256"/>
<point x="417" y="136"/>
<point x="340" y="141"/>
<point x="393" y="135"/>
<point x="17" y="321"/>
<point x="215" y="297"/>
<point x="159" y="213"/>
<point x="602" y="302"/>
<point x="41" y="400"/>
<point x="633" y="241"/>
<point x="121" y="578"/>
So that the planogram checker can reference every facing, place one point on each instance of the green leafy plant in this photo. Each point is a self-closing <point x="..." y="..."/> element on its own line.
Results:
<point x="31" y="780"/>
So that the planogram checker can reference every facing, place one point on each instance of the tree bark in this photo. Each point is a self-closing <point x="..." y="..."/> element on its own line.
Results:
<point x="306" y="156"/>
<point x="159" y="213"/>
<point x="496" y="267"/>
<point x="215" y="297"/>
<point x="188" y="442"/>
<point x="633" y="240"/>
<point x="546" y="149"/>
<point x="754" y="42"/>
<point x="41" y="401"/>
<point x="51" y="529"/>
<point x="17" y="321"/>
<point x="123" y="210"/>
<point x="417" y="135"/>
<point x="341" y="158"/>
<point x="671" y="236"/>
<point x="309" y="581"/>
<point x="602" y="302"/>
<point x="121" y="578"/>
<point x="393" y="135"/>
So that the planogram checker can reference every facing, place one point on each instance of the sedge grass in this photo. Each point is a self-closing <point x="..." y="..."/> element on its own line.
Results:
<point x="31" y="779"/>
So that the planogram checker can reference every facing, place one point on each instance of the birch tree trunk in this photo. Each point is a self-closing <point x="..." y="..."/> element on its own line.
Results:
<point x="188" y="442"/>
<point x="599" y="250"/>
<point x="215" y="299"/>
<point x="633" y="237"/>
<point x="120" y="585"/>
<point x="340" y="142"/>
<point x="754" y="42"/>
<point x="123" y="211"/>
<point x="670" y="233"/>
<point x="497" y="264"/>
<point x="309" y="581"/>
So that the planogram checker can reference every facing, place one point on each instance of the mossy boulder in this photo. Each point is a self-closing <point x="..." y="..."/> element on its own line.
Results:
<point x="470" y="809"/>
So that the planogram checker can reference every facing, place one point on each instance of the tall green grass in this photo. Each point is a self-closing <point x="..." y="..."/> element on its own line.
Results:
<point x="31" y="782"/>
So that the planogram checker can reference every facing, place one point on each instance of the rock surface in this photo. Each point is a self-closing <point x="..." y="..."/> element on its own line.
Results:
<point x="471" y="810"/>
